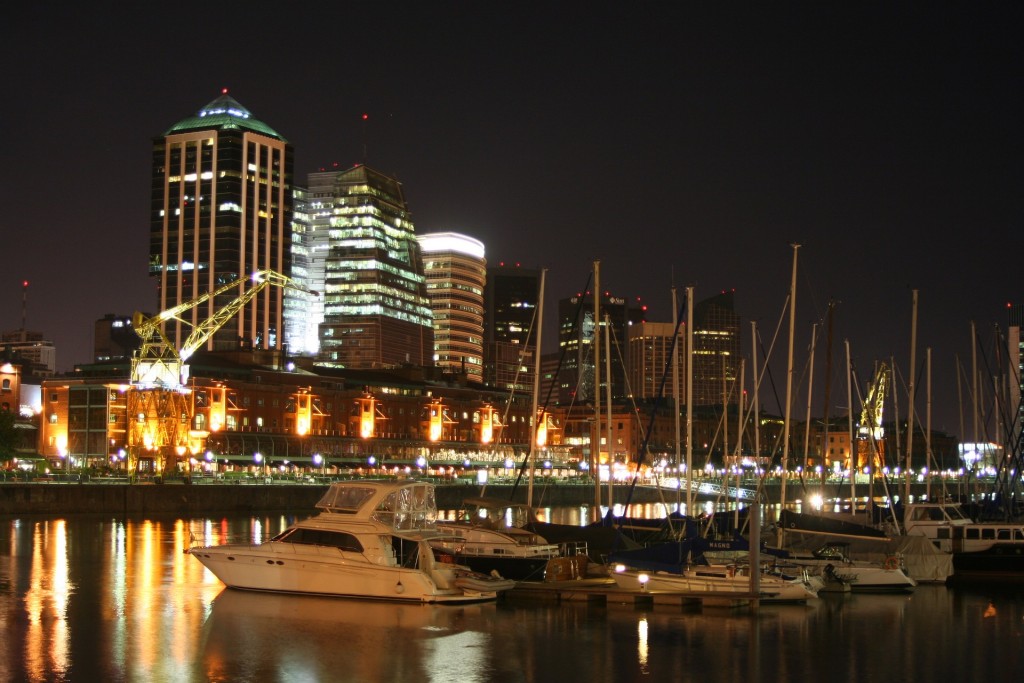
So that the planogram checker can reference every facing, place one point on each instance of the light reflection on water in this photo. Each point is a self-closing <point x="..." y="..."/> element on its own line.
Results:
<point x="85" y="599"/>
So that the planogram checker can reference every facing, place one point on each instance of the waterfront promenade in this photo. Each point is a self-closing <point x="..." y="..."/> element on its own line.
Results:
<point x="176" y="497"/>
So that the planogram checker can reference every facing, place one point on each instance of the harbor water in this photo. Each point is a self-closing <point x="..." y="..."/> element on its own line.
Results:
<point x="90" y="598"/>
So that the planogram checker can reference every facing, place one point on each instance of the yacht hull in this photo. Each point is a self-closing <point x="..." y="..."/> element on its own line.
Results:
<point x="325" y="571"/>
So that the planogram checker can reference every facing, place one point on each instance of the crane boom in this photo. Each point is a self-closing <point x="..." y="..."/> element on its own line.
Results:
<point x="158" y="363"/>
<point x="206" y="329"/>
<point x="871" y="416"/>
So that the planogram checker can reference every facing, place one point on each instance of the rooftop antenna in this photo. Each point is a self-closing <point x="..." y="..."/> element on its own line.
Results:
<point x="366" y="118"/>
<point x="24" y="303"/>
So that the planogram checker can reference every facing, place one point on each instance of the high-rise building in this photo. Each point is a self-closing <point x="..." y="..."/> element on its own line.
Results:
<point x="576" y="329"/>
<point x="376" y="312"/>
<point x="651" y="369"/>
<point x="456" y="270"/>
<point x="716" y="354"/>
<point x="39" y="353"/>
<point x="114" y="338"/>
<point x="303" y="308"/>
<point x="511" y="297"/>
<point x="221" y="210"/>
<point x="716" y="350"/>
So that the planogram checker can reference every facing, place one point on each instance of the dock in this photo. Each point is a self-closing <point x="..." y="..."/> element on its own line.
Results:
<point x="602" y="590"/>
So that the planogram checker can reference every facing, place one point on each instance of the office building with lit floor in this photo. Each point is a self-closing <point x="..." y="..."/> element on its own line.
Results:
<point x="376" y="311"/>
<point x="221" y="210"/>
<point x="456" y="270"/>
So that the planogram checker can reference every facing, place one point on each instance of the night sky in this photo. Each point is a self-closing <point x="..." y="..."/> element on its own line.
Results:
<point x="681" y="143"/>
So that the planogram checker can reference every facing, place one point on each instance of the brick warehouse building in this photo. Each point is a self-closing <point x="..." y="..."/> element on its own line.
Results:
<point x="239" y="409"/>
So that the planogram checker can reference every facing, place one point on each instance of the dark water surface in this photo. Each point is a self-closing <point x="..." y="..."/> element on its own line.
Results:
<point x="97" y="599"/>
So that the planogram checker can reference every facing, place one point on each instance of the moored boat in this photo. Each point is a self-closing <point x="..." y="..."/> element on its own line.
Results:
<point x="981" y="550"/>
<point x="717" y="579"/>
<point x="488" y="537"/>
<point x="370" y="539"/>
<point x="832" y="561"/>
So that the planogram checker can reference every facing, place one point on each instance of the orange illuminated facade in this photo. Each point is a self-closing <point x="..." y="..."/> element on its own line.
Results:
<point x="285" y="417"/>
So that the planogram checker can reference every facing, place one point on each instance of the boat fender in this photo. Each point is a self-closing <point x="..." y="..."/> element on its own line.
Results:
<point x="891" y="564"/>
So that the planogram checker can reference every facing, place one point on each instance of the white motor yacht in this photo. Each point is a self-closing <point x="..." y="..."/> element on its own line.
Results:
<point x="371" y="539"/>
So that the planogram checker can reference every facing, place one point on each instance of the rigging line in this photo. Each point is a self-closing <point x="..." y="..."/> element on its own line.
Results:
<point x="654" y="411"/>
<point x="519" y="366"/>
<point x="873" y="452"/>
<point x="565" y="349"/>
<point x="625" y="376"/>
<point x="558" y="370"/>
<point x="995" y="373"/>
<point x="636" y="413"/>
<point x="899" y="379"/>
<point x="766" y="370"/>
<point x="1008" y="472"/>
<point x="989" y="412"/>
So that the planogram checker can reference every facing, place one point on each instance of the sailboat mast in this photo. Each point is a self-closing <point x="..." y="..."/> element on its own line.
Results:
<point x="789" y="390"/>
<point x="810" y="386"/>
<point x="608" y="405"/>
<point x="675" y="384"/>
<point x="827" y="399"/>
<point x="725" y="419"/>
<point x="928" y="424"/>
<point x="536" y="388"/>
<point x="757" y="390"/>
<point x="596" y="445"/>
<point x="974" y="383"/>
<point x="853" y="455"/>
<point x="910" y="398"/>
<point x="689" y="400"/>
<point x="739" y="444"/>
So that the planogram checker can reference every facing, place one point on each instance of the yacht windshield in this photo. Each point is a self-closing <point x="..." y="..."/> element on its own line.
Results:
<point x="345" y="499"/>
<point x="410" y="507"/>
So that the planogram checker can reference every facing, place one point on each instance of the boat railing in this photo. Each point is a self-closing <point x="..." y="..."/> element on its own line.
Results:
<point x="572" y="548"/>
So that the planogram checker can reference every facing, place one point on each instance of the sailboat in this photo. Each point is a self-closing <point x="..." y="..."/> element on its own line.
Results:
<point x="888" y="561"/>
<point x="595" y="542"/>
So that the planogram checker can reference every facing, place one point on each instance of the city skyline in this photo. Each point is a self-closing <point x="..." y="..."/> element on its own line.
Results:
<point x="675" y="145"/>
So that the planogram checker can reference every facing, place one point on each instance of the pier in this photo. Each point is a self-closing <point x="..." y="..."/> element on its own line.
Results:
<point x="605" y="591"/>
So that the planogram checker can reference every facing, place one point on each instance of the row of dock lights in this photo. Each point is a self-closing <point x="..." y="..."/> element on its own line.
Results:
<point x="620" y="469"/>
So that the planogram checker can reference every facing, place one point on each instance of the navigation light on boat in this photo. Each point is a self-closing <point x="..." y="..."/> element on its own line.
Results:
<point x="643" y="579"/>
<point x="619" y="568"/>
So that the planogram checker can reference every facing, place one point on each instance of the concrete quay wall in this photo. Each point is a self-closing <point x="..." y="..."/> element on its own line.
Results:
<point x="52" y="498"/>
<point x="204" y="499"/>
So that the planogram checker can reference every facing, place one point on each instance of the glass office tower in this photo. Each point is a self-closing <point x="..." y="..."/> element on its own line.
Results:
<point x="376" y="311"/>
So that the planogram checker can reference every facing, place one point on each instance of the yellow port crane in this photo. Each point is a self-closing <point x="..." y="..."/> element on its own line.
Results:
<point x="871" y="429"/>
<point x="159" y="405"/>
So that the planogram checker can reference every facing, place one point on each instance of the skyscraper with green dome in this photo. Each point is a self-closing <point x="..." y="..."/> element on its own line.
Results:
<point x="221" y="210"/>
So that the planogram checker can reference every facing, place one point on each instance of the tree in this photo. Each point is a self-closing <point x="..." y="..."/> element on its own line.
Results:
<point x="8" y="435"/>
